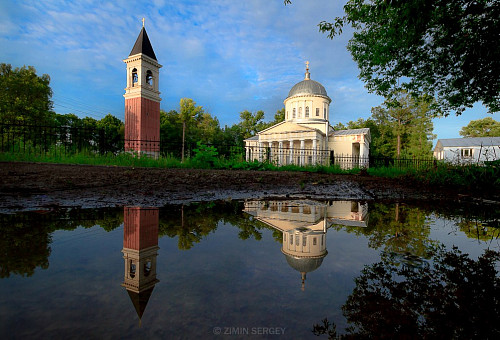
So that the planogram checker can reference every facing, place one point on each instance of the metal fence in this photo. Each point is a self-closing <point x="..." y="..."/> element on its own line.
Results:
<point x="35" y="139"/>
<point x="306" y="157"/>
<point x="63" y="140"/>
<point x="58" y="140"/>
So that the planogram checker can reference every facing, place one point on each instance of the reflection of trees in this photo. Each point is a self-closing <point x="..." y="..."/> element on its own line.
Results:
<point x="477" y="221"/>
<point x="479" y="230"/>
<point x="396" y="228"/>
<point x="23" y="247"/>
<point x="191" y="223"/>
<point x="26" y="238"/>
<point x="452" y="297"/>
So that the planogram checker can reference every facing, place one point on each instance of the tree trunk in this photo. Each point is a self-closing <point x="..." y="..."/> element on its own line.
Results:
<point x="399" y="144"/>
<point x="399" y="138"/>
<point x="183" y="140"/>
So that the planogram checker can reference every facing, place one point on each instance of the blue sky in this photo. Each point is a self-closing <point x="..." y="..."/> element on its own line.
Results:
<point x="227" y="55"/>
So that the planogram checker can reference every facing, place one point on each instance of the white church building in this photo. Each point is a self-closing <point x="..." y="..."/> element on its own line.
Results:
<point x="306" y="137"/>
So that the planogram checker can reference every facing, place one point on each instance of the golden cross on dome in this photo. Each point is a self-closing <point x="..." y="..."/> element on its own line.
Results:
<point x="307" y="65"/>
<point x="143" y="22"/>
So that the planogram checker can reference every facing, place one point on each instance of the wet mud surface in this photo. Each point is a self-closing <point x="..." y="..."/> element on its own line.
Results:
<point x="32" y="186"/>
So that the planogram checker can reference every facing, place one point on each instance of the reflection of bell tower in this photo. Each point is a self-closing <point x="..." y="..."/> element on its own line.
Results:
<point x="140" y="249"/>
<point x="142" y="98"/>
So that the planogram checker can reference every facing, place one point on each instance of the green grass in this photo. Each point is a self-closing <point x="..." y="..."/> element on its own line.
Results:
<point x="130" y="160"/>
<point x="470" y="178"/>
<point x="473" y="178"/>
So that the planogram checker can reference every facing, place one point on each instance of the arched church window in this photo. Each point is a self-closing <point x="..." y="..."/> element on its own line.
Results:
<point x="135" y="79"/>
<point x="300" y="112"/>
<point x="307" y="111"/>
<point x="324" y="112"/>
<point x="294" y="112"/>
<point x="317" y="112"/>
<point x="149" y="78"/>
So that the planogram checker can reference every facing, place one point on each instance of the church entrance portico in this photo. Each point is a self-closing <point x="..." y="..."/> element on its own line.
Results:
<point x="301" y="151"/>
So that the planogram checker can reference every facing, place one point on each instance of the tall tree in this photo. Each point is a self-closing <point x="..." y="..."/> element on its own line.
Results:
<point x="189" y="111"/>
<point x="486" y="127"/>
<point x="25" y="97"/>
<point x="447" y="48"/>
<point x="408" y="121"/>
<point x="251" y="123"/>
<point x="113" y="131"/>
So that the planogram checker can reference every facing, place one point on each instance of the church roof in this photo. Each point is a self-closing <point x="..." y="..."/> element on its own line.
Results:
<point x="351" y="132"/>
<point x="307" y="86"/>
<point x="470" y="142"/>
<point x="304" y="264"/>
<point x="143" y="45"/>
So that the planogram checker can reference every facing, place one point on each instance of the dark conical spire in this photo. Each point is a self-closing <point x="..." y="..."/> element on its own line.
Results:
<point x="140" y="300"/>
<point x="143" y="45"/>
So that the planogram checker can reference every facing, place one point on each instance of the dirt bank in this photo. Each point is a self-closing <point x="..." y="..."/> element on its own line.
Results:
<point x="41" y="186"/>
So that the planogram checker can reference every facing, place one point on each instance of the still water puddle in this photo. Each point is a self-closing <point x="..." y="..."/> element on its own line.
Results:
<point x="251" y="269"/>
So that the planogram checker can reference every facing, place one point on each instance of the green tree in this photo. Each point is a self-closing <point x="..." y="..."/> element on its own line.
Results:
<point x="279" y="116"/>
<point x="251" y="123"/>
<point x="24" y="96"/>
<point x="188" y="113"/>
<point x="405" y="124"/>
<point x="112" y="133"/>
<point x="447" y="48"/>
<point x="207" y="128"/>
<point x="486" y="127"/>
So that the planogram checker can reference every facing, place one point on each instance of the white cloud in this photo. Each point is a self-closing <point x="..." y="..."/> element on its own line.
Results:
<point x="227" y="55"/>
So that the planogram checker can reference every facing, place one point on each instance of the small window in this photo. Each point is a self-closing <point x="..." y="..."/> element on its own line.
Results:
<point x="132" y="269"/>
<point x="135" y="79"/>
<point x="307" y="111"/>
<point x="466" y="153"/>
<point x="314" y="241"/>
<point x="324" y="112"/>
<point x="294" y="113"/>
<point x="147" y="268"/>
<point x="300" y="112"/>
<point x="149" y="78"/>
<point x="317" y="112"/>
<point x="297" y="240"/>
<point x="291" y="239"/>
<point x="304" y="241"/>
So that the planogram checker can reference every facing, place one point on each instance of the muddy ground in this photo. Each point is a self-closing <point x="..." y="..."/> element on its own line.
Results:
<point x="28" y="186"/>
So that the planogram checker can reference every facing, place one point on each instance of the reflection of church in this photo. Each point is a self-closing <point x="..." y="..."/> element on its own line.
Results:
<point x="140" y="249"/>
<point x="304" y="225"/>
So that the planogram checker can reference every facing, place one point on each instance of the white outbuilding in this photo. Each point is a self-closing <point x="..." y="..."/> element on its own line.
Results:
<point x="468" y="150"/>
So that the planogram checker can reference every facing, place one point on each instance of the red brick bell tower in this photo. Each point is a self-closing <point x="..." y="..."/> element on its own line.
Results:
<point x="140" y="249"/>
<point x="142" y="99"/>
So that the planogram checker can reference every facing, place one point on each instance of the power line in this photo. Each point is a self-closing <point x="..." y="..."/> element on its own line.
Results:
<point x="75" y="106"/>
